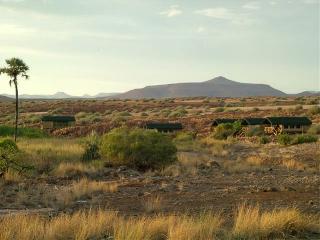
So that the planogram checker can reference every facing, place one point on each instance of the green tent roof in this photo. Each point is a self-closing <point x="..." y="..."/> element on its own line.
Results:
<point x="253" y="121"/>
<point x="290" y="121"/>
<point x="58" y="119"/>
<point x="164" y="126"/>
<point x="218" y="121"/>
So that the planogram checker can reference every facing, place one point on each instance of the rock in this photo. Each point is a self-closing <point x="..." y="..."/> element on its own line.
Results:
<point x="270" y="189"/>
<point x="214" y="164"/>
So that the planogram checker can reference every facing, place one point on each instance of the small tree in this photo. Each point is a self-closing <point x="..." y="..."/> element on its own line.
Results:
<point x="15" y="68"/>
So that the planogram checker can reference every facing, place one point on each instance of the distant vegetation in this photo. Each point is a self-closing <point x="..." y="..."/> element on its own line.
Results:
<point x="285" y="139"/>
<point x="223" y="131"/>
<point x="7" y="131"/>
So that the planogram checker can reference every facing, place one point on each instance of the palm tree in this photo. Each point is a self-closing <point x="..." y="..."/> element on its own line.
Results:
<point x="15" y="68"/>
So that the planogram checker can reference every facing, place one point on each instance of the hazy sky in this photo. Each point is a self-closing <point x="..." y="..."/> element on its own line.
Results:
<point x="91" y="46"/>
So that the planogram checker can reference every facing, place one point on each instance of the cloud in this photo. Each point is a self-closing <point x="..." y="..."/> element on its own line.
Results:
<point x="201" y="29"/>
<point x="218" y="13"/>
<point x="12" y="29"/>
<point x="310" y="1"/>
<point x="226" y="14"/>
<point x="251" y="6"/>
<point x="173" y="11"/>
<point x="273" y="3"/>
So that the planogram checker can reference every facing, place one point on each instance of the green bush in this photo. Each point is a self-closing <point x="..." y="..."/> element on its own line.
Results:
<point x="138" y="148"/>
<point x="8" y="151"/>
<point x="223" y="131"/>
<point x="264" y="140"/>
<point x="255" y="131"/>
<point x="284" y="139"/>
<point x="314" y="129"/>
<point x="314" y="110"/>
<point x="184" y="137"/>
<point x="91" y="148"/>
<point x="219" y="109"/>
<point x="6" y="131"/>
<point x="304" y="139"/>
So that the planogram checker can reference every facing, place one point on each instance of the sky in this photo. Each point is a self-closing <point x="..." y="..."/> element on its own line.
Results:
<point x="92" y="46"/>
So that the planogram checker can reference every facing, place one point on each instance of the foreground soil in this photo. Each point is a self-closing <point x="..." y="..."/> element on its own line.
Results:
<point x="209" y="185"/>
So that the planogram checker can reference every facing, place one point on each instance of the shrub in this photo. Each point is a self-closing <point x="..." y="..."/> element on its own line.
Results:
<point x="92" y="148"/>
<point x="299" y="107"/>
<point x="8" y="151"/>
<point x="138" y="148"/>
<point x="255" y="131"/>
<point x="219" y="109"/>
<point x="304" y="139"/>
<point x="284" y="139"/>
<point x="314" y="129"/>
<point x="264" y="140"/>
<point x="314" y="110"/>
<point x="184" y="137"/>
<point x="6" y="131"/>
<point x="223" y="131"/>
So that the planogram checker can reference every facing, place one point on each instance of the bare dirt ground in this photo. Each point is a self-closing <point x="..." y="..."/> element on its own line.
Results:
<point x="211" y="185"/>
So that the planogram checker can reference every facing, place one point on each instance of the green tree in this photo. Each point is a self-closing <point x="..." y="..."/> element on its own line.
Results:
<point x="15" y="68"/>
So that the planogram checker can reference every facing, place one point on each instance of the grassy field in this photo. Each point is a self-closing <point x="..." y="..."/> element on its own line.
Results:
<point x="217" y="189"/>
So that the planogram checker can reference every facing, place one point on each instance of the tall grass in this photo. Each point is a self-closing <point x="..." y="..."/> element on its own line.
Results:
<point x="252" y="223"/>
<point x="108" y="225"/>
<point x="7" y="131"/>
<point x="249" y="223"/>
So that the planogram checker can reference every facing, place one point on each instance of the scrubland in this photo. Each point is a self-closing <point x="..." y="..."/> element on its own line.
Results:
<point x="213" y="189"/>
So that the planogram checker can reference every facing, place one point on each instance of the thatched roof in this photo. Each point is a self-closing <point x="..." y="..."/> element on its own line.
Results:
<point x="58" y="119"/>
<point x="290" y="121"/>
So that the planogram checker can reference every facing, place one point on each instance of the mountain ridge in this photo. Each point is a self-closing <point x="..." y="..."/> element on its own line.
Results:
<point x="216" y="87"/>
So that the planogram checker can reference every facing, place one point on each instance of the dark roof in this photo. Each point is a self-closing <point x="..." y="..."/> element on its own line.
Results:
<point x="164" y="126"/>
<point x="289" y="121"/>
<point x="218" y="121"/>
<point x="58" y="119"/>
<point x="253" y="121"/>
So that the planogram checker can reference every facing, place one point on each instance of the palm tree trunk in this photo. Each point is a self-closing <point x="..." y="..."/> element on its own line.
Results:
<point x="17" y="110"/>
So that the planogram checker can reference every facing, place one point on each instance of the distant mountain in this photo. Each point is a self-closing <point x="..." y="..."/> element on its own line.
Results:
<point x="306" y="94"/>
<point x="59" y="95"/>
<point x="5" y="99"/>
<point x="217" y="87"/>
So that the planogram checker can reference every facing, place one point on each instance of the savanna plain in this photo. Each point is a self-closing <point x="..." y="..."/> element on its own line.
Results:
<point x="108" y="178"/>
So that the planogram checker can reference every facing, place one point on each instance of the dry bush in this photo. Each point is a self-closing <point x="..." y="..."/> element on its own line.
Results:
<point x="71" y="169"/>
<point x="251" y="223"/>
<point x="12" y="176"/>
<point x="216" y="147"/>
<point x="84" y="188"/>
<point x="241" y="166"/>
<point x="152" y="204"/>
<point x="292" y="164"/>
<point x="255" y="161"/>
<point x="204" y="227"/>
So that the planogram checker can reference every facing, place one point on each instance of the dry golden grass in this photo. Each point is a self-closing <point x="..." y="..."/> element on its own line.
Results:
<point x="251" y="223"/>
<point x="292" y="164"/>
<point x="152" y="204"/>
<point x="53" y="150"/>
<point x="70" y="169"/>
<point x="84" y="188"/>
<point x="12" y="176"/>
<point x="100" y="224"/>
<point x="255" y="161"/>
